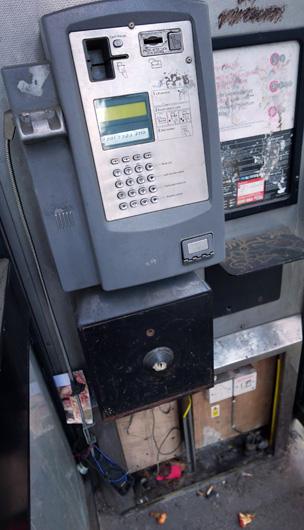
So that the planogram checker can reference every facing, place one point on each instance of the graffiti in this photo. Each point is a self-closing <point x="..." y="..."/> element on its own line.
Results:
<point x="251" y="14"/>
<point x="247" y="1"/>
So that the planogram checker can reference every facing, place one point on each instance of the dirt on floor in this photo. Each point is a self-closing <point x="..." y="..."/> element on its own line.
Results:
<point x="272" y="489"/>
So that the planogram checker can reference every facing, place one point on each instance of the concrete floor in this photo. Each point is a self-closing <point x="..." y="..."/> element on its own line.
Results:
<point x="273" y="489"/>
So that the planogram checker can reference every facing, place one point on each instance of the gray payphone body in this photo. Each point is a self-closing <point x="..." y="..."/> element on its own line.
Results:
<point x="120" y="133"/>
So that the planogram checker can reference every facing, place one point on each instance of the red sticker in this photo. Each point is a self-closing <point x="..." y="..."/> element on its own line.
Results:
<point x="250" y="191"/>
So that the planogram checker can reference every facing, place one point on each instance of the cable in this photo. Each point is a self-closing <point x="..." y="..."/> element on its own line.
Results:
<point x="113" y="466"/>
<point x="85" y="427"/>
<point x="158" y="447"/>
<point x="188" y="407"/>
<point x="276" y="399"/>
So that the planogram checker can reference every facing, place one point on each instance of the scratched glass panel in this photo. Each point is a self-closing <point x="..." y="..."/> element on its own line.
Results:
<point x="256" y="94"/>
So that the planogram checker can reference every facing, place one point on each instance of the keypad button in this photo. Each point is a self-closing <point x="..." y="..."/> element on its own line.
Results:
<point x="151" y="178"/>
<point x="117" y="172"/>
<point x="152" y="189"/>
<point x="131" y="193"/>
<point x="125" y="159"/>
<point x="115" y="161"/>
<point x="137" y="157"/>
<point x="123" y="205"/>
<point x="130" y="182"/>
<point x="149" y="166"/>
<point x="142" y="191"/>
<point x="133" y="204"/>
<point x="121" y="195"/>
<point x="119" y="184"/>
<point x="144" y="201"/>
<point x="154" y="200"/>
<point x="140" y="180"/>
<point x="147" y="155"/>
<point x="128" y="170"/>
<point x="139" y="168"/>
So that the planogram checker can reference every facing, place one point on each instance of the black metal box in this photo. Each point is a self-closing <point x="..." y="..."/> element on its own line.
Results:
<point x="147" y="344"/>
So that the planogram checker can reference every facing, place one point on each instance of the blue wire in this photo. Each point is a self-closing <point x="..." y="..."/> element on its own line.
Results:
<point x="98" y="466"/>
<point x="105" y="456"/>
<point x="112" y="481"/>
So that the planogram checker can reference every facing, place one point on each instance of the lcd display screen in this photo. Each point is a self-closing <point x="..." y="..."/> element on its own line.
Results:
<point x="256" y="93"/>
<point x="121" y="112"/>
<point x="124" y="120"/>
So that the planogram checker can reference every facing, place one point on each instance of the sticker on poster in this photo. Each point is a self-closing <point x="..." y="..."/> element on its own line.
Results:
<point x="250" y="191"/>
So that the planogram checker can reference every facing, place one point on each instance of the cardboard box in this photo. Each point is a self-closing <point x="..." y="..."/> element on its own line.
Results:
<point x="253" y="388"/>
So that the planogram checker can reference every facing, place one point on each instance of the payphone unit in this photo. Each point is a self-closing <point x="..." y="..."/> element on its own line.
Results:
<point x="126" y="123"/>
<point x="120" y="133"/>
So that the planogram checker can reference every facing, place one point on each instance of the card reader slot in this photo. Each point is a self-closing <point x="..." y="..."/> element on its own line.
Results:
<point x="153" y="40"/>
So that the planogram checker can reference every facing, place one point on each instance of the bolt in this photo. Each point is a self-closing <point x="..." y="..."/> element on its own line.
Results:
<point x="131" y="25"/>
<point x="188" y="60"/>
<point x="150" y="332"/>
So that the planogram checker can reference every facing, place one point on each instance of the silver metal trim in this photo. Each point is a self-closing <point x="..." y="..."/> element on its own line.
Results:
<point x="254" y="344"/>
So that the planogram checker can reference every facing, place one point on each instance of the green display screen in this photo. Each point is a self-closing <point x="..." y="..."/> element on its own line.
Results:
<point x="122" y="112"/>
<point x="124" y="120"/>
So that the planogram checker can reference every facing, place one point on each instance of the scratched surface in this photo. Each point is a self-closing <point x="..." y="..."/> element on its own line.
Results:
<point x="263" y="159"/>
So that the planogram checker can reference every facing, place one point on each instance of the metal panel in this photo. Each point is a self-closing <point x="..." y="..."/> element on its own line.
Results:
<point x="251" y="345"/>
<point x="159" y="341"/>
<point x="179" y="180"/>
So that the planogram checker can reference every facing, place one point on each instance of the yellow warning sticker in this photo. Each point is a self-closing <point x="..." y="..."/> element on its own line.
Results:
<point x="215" y="411"/>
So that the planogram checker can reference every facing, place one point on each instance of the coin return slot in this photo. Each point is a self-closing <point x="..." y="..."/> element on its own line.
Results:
<point x="99" y="60"/>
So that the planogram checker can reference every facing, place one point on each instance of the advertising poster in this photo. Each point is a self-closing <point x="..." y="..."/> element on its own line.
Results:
<point x="256" y="95"/>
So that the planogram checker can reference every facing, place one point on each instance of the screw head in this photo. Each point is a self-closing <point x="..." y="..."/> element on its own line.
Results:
<point x="188" y="60"/>
<point x="131" y="25"/>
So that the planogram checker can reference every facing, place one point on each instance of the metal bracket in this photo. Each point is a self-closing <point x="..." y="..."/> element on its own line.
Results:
<point x="40" y="124"/>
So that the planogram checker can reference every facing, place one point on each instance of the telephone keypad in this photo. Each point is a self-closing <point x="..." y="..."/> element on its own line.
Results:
<point x="136" y="186"/>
